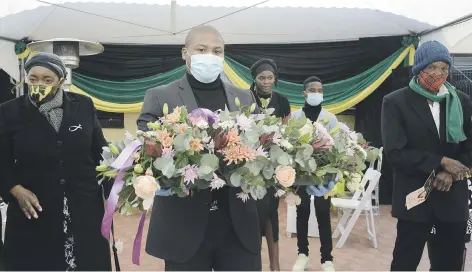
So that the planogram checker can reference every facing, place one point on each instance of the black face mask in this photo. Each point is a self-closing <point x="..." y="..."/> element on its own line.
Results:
<point x="41" y="93"/>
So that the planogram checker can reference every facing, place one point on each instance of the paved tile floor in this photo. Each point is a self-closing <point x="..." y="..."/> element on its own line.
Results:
<point x="357" y="253"/>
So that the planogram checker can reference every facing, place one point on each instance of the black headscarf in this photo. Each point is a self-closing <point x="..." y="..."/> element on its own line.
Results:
<point x="47" y="60"/>
<point x="261" y="66"/>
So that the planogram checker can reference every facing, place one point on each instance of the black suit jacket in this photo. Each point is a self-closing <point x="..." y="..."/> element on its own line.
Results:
<point x="51" y="164"/>
<point x="414" y="149"/>
<point x="178" y="225"/>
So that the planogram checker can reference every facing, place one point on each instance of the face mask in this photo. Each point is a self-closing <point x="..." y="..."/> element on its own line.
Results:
<point x="314" y="99"/>
<point x="206" y="67"/>
<point x="431" y="82"/>
<point x="39" y="93"/>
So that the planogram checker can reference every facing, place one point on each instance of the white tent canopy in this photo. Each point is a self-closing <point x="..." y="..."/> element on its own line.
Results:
<point x="113" y="22"/>
<point x="457" y="37"/>
<point x="160" y="22"/>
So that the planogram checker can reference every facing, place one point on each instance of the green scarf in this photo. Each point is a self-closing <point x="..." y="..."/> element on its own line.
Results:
<point x="454" y="116"/>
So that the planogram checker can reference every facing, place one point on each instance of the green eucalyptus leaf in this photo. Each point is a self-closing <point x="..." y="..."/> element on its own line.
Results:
<point x="235" y="179"/>
<point x="268" y="171"/>
<point x="210" y="160"/>
<point x="168" y="170"/>
<point x="205" y="172"/>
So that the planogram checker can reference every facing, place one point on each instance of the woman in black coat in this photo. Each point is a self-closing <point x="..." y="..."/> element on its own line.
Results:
<point x="50" y="144"/>
<point x="264" y="74"/>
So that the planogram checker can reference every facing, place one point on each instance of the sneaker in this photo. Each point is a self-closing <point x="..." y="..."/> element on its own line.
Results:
<point x="327" y="266"/>
<point x="301" y="264"/>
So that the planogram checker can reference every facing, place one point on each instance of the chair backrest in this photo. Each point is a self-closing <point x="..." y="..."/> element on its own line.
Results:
<point x="377" y="164"/>
<point x="369" y="175"/>
<point x="372" y="176"/>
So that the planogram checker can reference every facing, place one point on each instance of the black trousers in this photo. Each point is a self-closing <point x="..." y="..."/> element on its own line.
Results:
<point x="221" y="249"/>
<point x="446" y="248"/>
<point x="323" y="216"/>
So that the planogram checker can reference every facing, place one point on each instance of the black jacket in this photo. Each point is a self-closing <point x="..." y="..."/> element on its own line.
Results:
<point x="414" y="148"/>
<point x="50" y="164"/>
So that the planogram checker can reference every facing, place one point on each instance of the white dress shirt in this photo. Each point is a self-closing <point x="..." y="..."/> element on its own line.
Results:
<point x="436" y="109"/>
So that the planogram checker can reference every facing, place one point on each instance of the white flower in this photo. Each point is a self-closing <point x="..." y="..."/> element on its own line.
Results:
<point x="243" y="196"/>
<point x="292" y="199"/>
<point x="286" y="144"/>
<point x="279" y="193"/>
<point x="244" y="123"/>
<point x="349" y="151"/>
<point x="217" y="183"/>
<point x="210" y="146"/>
<point x="260" y="152"/>
<point x="277" y="138"/>
<point x="226" y="124"/>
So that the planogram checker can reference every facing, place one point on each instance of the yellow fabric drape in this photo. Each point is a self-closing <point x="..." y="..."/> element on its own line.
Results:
<point x="108" y="106"/>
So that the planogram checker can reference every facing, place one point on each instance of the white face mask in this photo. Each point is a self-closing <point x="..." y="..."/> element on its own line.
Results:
<point x="314" y="99"/>
<point x="206" y="67"/>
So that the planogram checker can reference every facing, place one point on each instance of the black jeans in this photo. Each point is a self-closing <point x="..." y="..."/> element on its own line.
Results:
<point x="221" y="249"/>
<point x="323" y="216"/>
<point x="446" y="247"/>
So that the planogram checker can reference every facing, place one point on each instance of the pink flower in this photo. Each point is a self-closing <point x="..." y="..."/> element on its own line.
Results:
<point x="168" y="151"/>
<point x="238" y="153"/>
<point x="190" y="173"/>
<point x="243" y="196"/>
<point x="261" y="152"/>
<point x="216" y="182"/>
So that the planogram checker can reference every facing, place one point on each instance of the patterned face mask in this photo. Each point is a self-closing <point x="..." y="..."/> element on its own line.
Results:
<point x="39" y="93"/>
<point x="431" y="82"/>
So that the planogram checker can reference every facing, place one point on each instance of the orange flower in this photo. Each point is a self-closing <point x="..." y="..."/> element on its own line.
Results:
<point x="174" y="117"/>
<point x="233" y="137"/>
<point x="167" y="141"/>
<point x="238" y="153"/>
<point x="196" y="144"/>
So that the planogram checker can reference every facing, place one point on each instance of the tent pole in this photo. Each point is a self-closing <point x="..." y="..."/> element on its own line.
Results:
<point x="173" y="11"/>
<point x="21" y="88"/>
<point x="457" y="21"/>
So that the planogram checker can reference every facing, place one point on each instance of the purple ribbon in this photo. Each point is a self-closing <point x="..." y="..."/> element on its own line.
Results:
<point x="121" y="163"/>
<point x="138" y="239"/>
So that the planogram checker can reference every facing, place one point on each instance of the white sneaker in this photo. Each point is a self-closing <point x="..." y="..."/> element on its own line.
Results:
<point x="301" y="264"/>
<point x="327" y="266"/>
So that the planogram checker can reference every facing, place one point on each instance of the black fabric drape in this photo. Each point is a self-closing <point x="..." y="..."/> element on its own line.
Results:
<point x="368" y="121"/>
<point x="6" y="87"/>
<point x="330" y="61"/>
<point x="125" y="62"/>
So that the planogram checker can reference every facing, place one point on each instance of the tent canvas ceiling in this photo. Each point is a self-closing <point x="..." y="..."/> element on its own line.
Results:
<point x="151" y="24"/>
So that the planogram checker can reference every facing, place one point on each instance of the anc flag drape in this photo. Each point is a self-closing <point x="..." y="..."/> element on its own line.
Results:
<point x="127" y="96"/>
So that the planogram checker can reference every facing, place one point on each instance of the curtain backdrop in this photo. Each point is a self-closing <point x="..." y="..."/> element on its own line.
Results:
<point x="127" y="95"/>
<point x="331" y="62"/>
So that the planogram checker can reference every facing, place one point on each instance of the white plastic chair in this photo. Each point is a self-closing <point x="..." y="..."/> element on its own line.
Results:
<point x="360" y="202"/>
<point x="375" y="193"/>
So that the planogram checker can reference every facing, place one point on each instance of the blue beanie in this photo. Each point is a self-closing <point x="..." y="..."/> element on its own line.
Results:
<point x="429" y="52"/>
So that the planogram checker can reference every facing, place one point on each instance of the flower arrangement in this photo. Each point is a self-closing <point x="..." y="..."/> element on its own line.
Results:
<point x="184" y="152"/>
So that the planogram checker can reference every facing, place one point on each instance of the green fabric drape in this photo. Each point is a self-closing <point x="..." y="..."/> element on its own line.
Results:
<point x="333" y="92"/>
<point x="125" y="92"/>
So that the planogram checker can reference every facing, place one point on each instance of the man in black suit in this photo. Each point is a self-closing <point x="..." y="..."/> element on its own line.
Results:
<point x="209" y="229"/>
<point x="427" y="127"/>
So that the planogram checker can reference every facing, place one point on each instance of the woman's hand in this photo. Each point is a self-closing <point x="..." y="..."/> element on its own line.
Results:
<point x="28" y="201"/>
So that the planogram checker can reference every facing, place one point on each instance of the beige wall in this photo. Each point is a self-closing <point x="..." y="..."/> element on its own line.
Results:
<point x="118" y="134"/>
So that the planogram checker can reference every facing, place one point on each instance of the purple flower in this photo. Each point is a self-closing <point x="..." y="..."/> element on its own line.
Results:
<point x="202" y="116"/>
